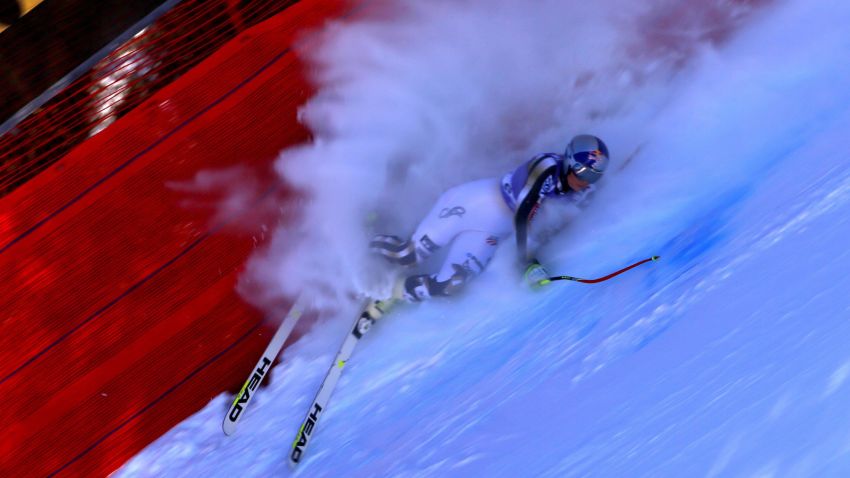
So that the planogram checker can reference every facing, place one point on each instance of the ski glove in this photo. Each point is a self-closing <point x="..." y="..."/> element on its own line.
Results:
<point x="536" y="275"/>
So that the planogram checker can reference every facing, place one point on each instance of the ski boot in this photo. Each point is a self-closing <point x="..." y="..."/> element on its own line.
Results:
<point x="376" y="309"/>
<point x="394" y="249"/>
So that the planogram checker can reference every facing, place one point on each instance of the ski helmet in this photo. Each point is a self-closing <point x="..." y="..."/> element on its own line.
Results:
<point x="587" y="157"/>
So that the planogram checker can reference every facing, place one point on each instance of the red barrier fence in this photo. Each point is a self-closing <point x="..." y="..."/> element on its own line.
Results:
<point x="118" y="315"/>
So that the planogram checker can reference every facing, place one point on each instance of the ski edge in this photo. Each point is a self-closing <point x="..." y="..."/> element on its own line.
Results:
<point x="262" y="368"/>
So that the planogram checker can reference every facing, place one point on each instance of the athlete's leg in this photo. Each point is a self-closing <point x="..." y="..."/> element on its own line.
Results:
<point x="437" y="229"/>
<point x="472" y="218"/>
<point x="467" y="257"/>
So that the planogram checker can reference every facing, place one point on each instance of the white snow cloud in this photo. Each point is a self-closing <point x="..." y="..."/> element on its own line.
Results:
<point x="427" y="95"/>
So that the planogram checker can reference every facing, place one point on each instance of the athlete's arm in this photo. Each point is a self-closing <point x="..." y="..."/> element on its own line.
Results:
<point x="541" y="180"/>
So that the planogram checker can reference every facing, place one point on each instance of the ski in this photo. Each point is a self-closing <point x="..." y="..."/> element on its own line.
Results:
<point x="362" y="323"/>
<point x="240" y="403"/>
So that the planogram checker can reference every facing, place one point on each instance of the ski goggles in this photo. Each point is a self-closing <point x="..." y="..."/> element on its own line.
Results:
<point x="584" y="172"/>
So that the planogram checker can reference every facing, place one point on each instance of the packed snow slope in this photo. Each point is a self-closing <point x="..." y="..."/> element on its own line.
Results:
<point x="729" y="357"/>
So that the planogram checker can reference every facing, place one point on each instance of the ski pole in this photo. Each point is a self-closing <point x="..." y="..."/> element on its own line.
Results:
<point x="594" y="281"/>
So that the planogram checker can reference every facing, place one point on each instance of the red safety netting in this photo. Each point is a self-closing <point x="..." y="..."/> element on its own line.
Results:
<point x="157" y="55"/>
<point x="119" y="316"/>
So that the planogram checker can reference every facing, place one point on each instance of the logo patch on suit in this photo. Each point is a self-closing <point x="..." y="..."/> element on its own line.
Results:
<point x="548" y="186"/>
<point x="458" y="211"/>
<point x="428" y="244"/>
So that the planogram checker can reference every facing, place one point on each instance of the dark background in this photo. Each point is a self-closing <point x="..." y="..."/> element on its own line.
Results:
<point x="51" y="40"/>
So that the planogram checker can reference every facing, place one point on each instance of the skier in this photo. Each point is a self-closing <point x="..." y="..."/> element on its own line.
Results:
<point x="473" y="218"/>
<point x="469" y="221"/>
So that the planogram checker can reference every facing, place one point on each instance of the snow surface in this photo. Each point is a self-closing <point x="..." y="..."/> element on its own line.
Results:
<point x="729" y="357"/>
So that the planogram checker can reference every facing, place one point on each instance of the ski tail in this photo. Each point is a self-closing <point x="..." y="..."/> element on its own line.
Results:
<point x="261" y="370"/>
<point x="362" y="324"/>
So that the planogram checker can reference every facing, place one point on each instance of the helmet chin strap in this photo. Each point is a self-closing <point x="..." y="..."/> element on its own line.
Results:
<point x="563" y="178"/>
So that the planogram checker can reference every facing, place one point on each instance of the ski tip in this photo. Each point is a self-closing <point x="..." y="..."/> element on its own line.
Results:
<point x="293" y="462"/>
<point x="655" y="258"/>
<point x="228" y="427"/>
